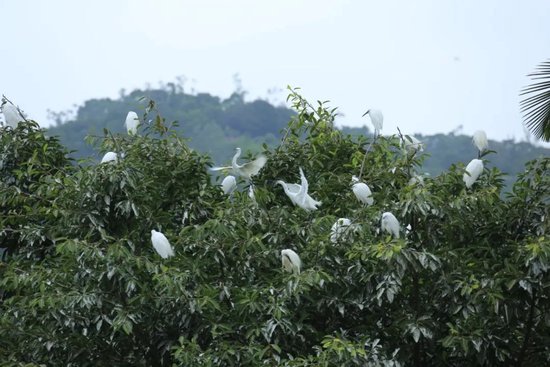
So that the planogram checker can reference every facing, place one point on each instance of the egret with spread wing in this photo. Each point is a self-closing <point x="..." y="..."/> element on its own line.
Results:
<point x="246" y="170"/>
<point x="298" y="194"/>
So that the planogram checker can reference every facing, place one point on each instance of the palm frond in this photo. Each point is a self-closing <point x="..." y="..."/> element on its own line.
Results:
<point x="536" y="105"/>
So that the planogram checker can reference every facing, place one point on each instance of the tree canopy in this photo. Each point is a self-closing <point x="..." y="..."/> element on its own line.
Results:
<point x="466" y="282"/>
<point x="215" y="126"/>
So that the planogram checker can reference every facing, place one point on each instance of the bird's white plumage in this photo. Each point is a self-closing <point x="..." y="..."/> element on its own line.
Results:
<point x="362" y="191"/>
<point x="229" y="184"/>
<point x="473" y="170"/>
<point x="246" y="170"/>
<point x="377" y="119"/>
<point x="109" y="157"/>
<point x="185" y="216"/>
<point x="412" y="144"/>
<point x="161" y="244"/>
<point x="11" y="115"/>
<point x="132" y="122"/>
<point x="339" y="228"/>
<point x="291" y="261"/>
<point x="298" y="194"/>
<point x="390" y="224"/>
<point x="251" y="194"/>
<point x="416" y="179"/>
<point x="291" y="190"/>
<point x="480" y="140"/>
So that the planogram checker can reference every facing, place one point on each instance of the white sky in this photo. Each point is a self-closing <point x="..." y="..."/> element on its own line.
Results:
<point x="430" y="66"/>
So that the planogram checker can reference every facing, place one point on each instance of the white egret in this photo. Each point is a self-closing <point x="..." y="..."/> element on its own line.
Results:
<point x="12" y="116"/>
<point x="251" y="194"/>
<point x="291" y="261"/>
<point x="246" y="170"/>
<point x="377" y="120"/>
<point x="185" y="216"/>
<point x="473" y="170"/>
<point x="390" y="224"/>
<point x="161" y="244"/>
<point x="109" y="157"/>
<point x="132" y="122"/>
<point x="416" y="179"/>
<point x="412" y="144"/>
<point x="362" y="191"/>
<point x="298" y="194"/>
<point x="480" y="141"/>
<point x="229" y="184"/>
<point x="339" y="228"/>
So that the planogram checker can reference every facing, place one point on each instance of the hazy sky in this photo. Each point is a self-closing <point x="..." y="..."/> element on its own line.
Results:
<point x="430" y="66"/>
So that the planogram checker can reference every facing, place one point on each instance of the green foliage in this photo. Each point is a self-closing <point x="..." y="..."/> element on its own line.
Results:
<point x="465" y="284"/>
<point x="202" y="118"/>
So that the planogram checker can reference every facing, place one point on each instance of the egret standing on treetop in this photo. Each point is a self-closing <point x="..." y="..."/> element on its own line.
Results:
<point x="229" y="184"/>
<point x="291" y="261"/>
<point x="473" y="170"/>
<point x="412" y="144"/>
<point x="362" y="191"/>
<point x="246" y="170"/>
<point x="132" y="122"/>
<point x="12" y="116"/>
<point x="480" y="141"/>
<point x="161" y="244"/>
<point x="416" y="179"/>
<point x="390" y="224"/>
<point x="298" y="194"/>
<point x="377" y="120"/>
<point x="109" y="157"/>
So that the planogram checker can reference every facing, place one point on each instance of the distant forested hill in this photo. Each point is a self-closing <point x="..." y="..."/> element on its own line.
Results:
<point x="213" y="125"/>
<point x="217" y="126"/>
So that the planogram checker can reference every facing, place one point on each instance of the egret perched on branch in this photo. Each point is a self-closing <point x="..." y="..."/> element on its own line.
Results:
<point x="362" y="191"/>
<point x="229" y="184"/>
<point x="416" y="179"/>
<point x="291" y="261"/>
<point x="390" y="224"/>
<point x="412" y="144"/>
<point x="251" y="194"/>
<point x="161" y="244"/>
<point x="480" y="141"/>
<point x="377" y="120"/>
<point x="246" y="170"/>
<point x="339" y="228"/>
<point x="109" y="157"/>
<point x="298" y="194"/>
<point x="473" y="170"/>
<point x="132" y="122"/>
<point x="12" y="115"/>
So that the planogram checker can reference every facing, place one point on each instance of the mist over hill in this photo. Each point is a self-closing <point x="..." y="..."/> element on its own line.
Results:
<point x="216" y="126"/>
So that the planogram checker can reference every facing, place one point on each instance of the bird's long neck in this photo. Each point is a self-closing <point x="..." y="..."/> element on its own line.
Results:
<point x="304" y="184"/>
<point x="235" y="157"/>
<point x="285" y="187"/>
